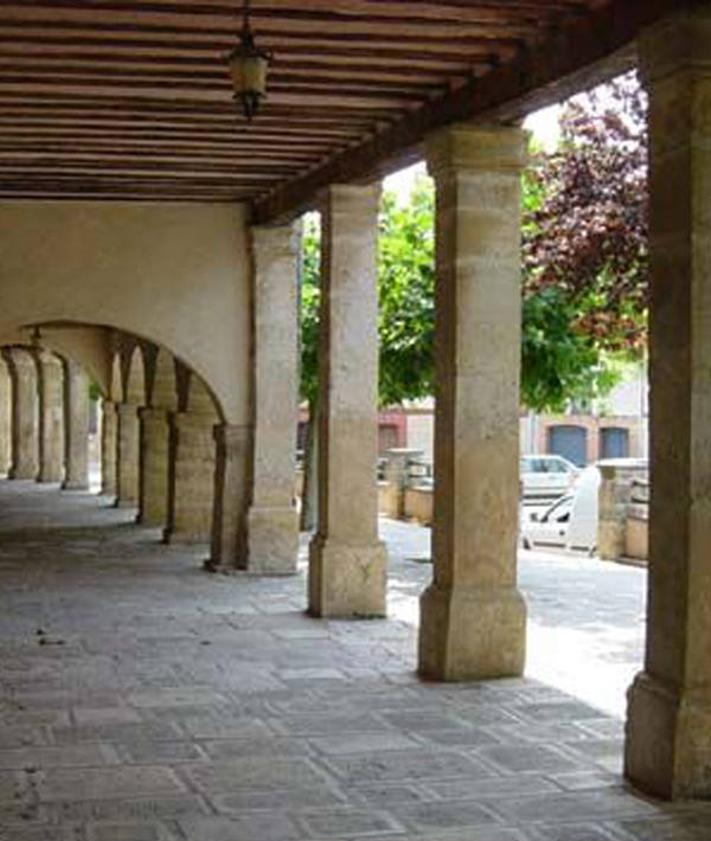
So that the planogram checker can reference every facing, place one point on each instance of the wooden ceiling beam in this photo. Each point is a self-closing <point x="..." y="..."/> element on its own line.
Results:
<point x="579" y="56"/>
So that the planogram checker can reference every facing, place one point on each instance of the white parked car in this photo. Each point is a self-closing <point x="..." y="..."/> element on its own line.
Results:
<point x="570" y="522"/>
<point x="550" y="476"/>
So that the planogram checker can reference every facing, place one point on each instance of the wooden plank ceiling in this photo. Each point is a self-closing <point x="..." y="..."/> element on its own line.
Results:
<point x="131" y="98"/>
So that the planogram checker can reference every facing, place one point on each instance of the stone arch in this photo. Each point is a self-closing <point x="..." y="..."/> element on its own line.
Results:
<point x="200" y="400"/>
<point x="175" y="275"/>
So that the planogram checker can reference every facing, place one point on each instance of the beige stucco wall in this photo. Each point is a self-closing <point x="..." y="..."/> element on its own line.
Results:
<point x="176" y="274"/>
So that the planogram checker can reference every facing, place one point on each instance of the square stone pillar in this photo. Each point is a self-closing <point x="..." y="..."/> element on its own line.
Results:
<point x="272" y="520"/>
<point x="668" y="747"/>
<point x="5" y="417"/>
<point x="348" y="563"/>
<point x="473" y="618"/>
<point x="76" y="427"/>
<point x="191" y="478"/>
<point x="51" y="416"/>
<point x="109" y="424"/>
<point x="233" y="459"/>
<point x="153" y="481"/>
<point x="127" y="455"/>
<point x="24" y="457"/>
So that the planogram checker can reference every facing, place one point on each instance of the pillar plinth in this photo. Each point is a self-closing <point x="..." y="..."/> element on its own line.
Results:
<point x="272" y="521"/>
<point x="191" y="478"/>
<point x="51" y="417"/>
<point x="473" y="618"/>
<point x="76" y="427"/>
<point x="109" y="428"/>
<point x="668" y="746"/>
<point x="347" y="562"/>
<point x="233" y="456"/>
<point x="127" y="455"/>
<point x="24" y="441"/>
<point x="153" y="485"/>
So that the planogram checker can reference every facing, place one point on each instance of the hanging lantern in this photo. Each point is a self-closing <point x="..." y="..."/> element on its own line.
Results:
<point x="248" y="68"/>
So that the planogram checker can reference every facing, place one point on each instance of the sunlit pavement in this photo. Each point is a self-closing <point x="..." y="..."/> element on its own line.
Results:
<point x="585" y="616"/>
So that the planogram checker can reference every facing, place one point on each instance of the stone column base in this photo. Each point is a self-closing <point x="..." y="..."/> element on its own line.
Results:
<point x="668" y="744"/>
<point x="23" y="471"/>
<point x="49" y="476"/>
<point x="472" y="633"/>
<point x="272" y="541"/>
<point x="347" y="581"/>
<point x="74" y="485"/>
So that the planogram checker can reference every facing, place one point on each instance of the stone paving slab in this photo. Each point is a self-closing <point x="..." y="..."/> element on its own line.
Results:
<point x="189" y="707"/>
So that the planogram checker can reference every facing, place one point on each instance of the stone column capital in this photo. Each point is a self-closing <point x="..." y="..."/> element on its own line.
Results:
<point x="679" y="42"/>
<point x="474" y="147"/>
<point x="149" y="414"/>
<point x="274" y="241"/>
<point x="355" y="199"/>
<point x="127" y="410"/>
<point x="19" y="358"/>
<point x="46" y="357"/>
<point x="232" y="436"/>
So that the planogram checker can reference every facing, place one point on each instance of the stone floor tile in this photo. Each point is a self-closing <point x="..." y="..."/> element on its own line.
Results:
<point x="490" y="788"/>
<point x="357" y="769"/>
<point x="136" y="810"/>
<point x="257" y="826"/>
<point x="600" y="805"/>
<point x="129" y="832"/>
<point x="255" y="747"/>
<point x="362" y="742"/>
<point x="253" y="773"/>
<point x="676" y="828"/>
<point x="105" y="783"/>
<point x="433" y="816"/>
<point x="535" y="758"/>
<point x="105" y="715"/>
<point x="348" y="823"/>
<point x="573" y="832"/>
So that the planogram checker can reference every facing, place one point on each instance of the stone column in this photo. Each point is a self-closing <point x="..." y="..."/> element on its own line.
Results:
<point x="153" y="482"/>
<point x="272" y="521"/>
<point x="25" y="440"/>
<point x="127" y="454"/>
<point x="191" y="478"/>
<point x="233" y="458"/>
<point x="348" y="564"/>
<point x="109" y="423"/>
<point x="668" y="748"/>
<point x="51" y="417"/>
<point x="76" y="427"/>
<point x="473" y="618"/>
<point x="5" y="418"/>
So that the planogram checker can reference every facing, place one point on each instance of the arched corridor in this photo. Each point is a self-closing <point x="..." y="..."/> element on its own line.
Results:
<point x="141" y="698"/>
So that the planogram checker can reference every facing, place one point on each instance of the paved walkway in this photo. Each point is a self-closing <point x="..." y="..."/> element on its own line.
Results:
<point x="585" y="617"/>
<point x="144" y="700"/>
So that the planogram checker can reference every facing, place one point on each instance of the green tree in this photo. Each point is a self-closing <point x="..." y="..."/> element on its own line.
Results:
<point x="584" y="264"/>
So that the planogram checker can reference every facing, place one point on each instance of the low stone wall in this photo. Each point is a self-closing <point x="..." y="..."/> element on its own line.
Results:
<point x="622" y="525"/>
<point x="418" y="505"/>
<point x="637" y="532"/>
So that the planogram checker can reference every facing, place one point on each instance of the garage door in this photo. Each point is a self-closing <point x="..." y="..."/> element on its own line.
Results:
<point x="571" y="442"/>
<point x="615" y="442"/>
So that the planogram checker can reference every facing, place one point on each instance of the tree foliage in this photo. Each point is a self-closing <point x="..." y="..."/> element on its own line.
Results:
<point x="585" y="261"/>
<point x="584" y="265"/>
